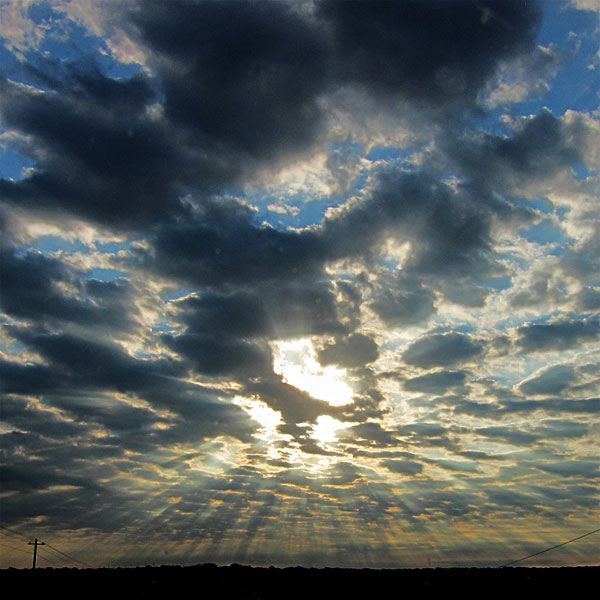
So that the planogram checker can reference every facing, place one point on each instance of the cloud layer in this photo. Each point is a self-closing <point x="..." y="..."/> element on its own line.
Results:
<point x="314" y="272"/>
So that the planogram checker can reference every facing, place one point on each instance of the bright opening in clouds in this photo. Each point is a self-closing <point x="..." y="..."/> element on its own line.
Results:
<point x="296" y="362"/>
<point x="325" y="429"/>
<point x="268" y="419"/>
<point x="310" y="282"/>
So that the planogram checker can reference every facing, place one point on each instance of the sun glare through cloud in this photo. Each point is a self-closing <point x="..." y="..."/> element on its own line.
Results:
<point x="325" y="429"/>
<point x="296" y="362"/>
<point x="268" y="418"/>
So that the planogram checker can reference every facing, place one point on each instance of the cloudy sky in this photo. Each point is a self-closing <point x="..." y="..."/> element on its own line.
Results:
<point x="303" y="283"/>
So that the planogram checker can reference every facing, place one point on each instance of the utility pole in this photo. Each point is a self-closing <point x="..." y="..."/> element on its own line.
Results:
<point x="35" y="545"/>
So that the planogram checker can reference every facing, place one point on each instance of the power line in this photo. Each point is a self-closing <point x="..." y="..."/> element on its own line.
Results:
<point x="15" y="549"/>
<point x="50" y="561"/>
<point x="72" y="558"/>
<point x="552" y="548"/>
<point x="64" y="561"/>
<point x="25" y="552"/>
<point x="14" y="532"/>
<point x="68" y="556"/>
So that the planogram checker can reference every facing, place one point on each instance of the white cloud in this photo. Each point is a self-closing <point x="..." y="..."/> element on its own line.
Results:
<point x="523" y="77"/>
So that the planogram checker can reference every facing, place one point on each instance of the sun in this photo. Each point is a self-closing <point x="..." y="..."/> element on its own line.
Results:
<point x="326" y="428"/>
<point x="296" y="362"/>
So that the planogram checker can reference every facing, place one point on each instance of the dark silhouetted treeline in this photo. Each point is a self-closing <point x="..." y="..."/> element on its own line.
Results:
<point x="238" y="582"/>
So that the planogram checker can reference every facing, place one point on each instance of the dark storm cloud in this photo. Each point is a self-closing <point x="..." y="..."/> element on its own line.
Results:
<point x="80" y="374"/>
<point x="344" y="473"/>
<point x="508" y="434"/>
<point x="351" y="297"/>
<point x="98" y="154"/>
<point x="515" y="500"/>
<point x="31" y="289"/>
<point x="239" y="85"/>
<point x="51" y="447"/>
<point x="493" y="169"/>
<point x="479" y="456"/>
<point x="403" y="302"/>
<point x="24" y="415"/>
<point x="370" y="434"/>
<point x="84" y="503"/>
<point x="93" y="363"/>
<point x="551" y="405"/>
<point x="562" y="334"/>
<point x="212" y="356"/>
<point x="246" y="77"/>
<point x="130" y="166"/>
<point x="572" y="468"/>
<point x="283" y="310"/>
<point x="219" y="326"/>
<point x="459" y="466"/>
<point x="585" y="406"/>
<point x="118" y="417"/>
<point x="355" y="350"/>
<point x="582" y="259"/>
<point x="429" y="434"/>
<point x="543" y="431"/>
<point x="301" y="308"/>
<point x="221" y="243"/>
<point x="436" y="383"/>
<point x="550" y="381"/>
<point x="539" y="289"/>
<point x="243" y="76"/>
<point x="442" y="349"/>
<point x="589" y="299"/>
<point x="266" y="282"/>
<point x="404" y="467"/>
<point x="18" y="378"/>
<point x="241" y="314"/>
<point x="25" y="477"/>
<point x="543" y="144"/>
<point x="449" y="232"/>
<point x="477" y="409"/>
<point x="423" y="429"/>
<point x="434" y="51"/>
<point x="562" y="429"/>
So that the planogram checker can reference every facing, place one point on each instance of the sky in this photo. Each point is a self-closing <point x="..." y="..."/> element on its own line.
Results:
<point x="299" y="283"/>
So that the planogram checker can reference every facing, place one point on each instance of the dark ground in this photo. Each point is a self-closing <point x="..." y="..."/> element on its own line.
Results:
<point x="240" y="582"/>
